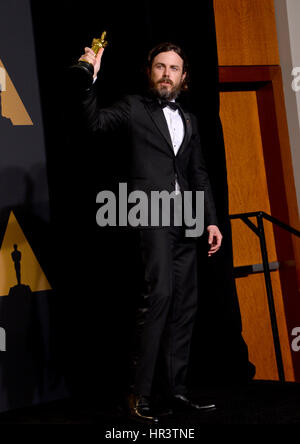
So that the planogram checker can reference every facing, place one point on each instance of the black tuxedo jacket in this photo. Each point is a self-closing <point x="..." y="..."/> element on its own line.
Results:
<point x="151" y="159"/>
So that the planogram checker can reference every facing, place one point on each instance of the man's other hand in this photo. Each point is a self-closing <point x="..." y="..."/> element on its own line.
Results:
<point x="214" y="239"/>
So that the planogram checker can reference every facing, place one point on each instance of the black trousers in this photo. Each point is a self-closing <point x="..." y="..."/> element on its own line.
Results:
<point x="168" y="307"/>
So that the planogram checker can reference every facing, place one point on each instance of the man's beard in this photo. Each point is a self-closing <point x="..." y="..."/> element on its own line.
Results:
<point x="164" y="92"/>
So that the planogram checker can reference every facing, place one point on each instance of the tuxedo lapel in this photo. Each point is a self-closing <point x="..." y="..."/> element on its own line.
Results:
<point x="187" y="132"/>
<point x="157" y="115"/>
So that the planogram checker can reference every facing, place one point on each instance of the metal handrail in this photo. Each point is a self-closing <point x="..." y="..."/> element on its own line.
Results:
<point x="268" y="217"/>
<point x="260" y="232"/>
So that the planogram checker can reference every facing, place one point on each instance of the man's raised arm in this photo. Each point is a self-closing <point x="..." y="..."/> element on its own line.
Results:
<point x="91" y="116"/>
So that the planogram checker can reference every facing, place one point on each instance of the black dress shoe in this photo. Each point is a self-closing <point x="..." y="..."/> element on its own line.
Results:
<point x="181" y="403"/>
<point x="140" y="409"/>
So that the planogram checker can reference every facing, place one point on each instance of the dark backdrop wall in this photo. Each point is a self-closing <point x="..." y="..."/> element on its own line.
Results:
<point x="96" y="270"/>
<point x="28" y="373"/>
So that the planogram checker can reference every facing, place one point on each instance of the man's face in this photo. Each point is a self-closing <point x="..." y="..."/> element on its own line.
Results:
<point x="166" y="75"/>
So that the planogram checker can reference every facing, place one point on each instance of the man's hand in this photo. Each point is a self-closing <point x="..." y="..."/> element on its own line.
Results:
<point x="214" y="239"/>
<point x="90" y="57"/>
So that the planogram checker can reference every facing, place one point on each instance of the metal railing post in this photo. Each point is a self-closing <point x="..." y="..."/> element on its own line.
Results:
<point x="260" y="232"/>
<point x="268" y="283"/>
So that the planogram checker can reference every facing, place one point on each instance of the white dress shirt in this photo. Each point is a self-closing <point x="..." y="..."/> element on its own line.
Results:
<point x="176" y="130"/>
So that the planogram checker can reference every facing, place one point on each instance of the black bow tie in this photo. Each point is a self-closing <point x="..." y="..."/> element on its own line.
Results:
<point x="172" y="105"/>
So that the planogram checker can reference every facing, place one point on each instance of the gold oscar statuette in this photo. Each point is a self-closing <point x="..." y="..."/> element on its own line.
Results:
<point x="83" y="70"/>
<point x="99" y="43"/>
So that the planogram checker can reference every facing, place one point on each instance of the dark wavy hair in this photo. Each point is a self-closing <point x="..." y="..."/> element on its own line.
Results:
<point x="165" y="47"/>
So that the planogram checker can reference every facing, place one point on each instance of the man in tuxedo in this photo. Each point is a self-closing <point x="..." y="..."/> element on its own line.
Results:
<point x="164" y="154"/>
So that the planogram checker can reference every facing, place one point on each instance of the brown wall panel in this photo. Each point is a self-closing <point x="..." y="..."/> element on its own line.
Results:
<point x="248" y="191"/>
<point x="260" y="174"/>
<point x="247" y="183"/>
<point x="286" y="162"/>
<point x="246" y="32"/>
<point x="257" y="326"/>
